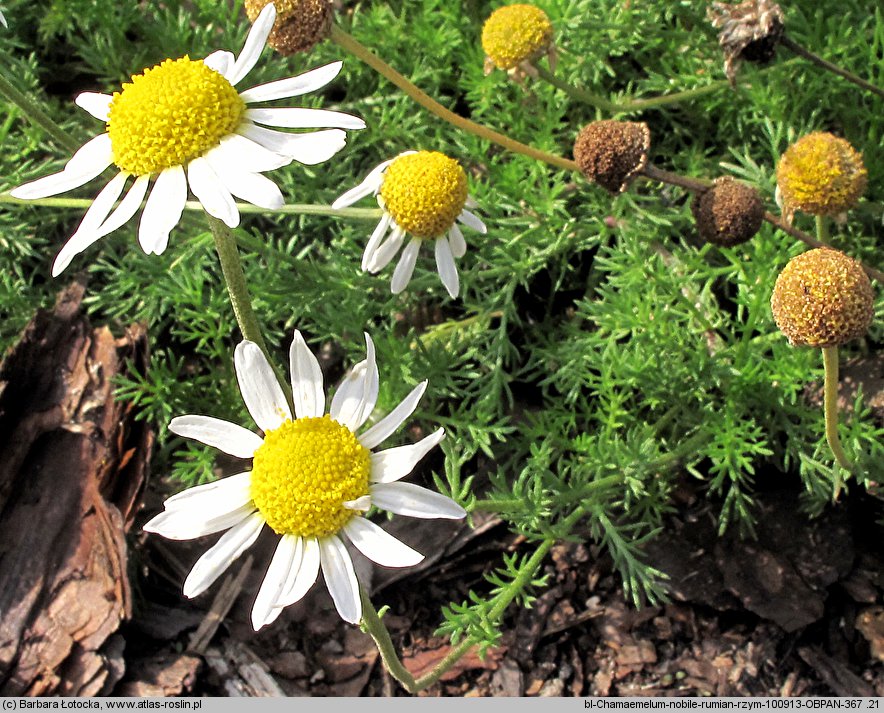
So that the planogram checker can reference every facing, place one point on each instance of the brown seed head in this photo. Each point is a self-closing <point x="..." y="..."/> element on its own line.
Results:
<point x="611" y="153"/>
<point x="728" y="213"/>
<point x="748" y="31"/>
<point x="822" y="298"/>
<point x="820" y="174"/>
<point x="300" y="24"/>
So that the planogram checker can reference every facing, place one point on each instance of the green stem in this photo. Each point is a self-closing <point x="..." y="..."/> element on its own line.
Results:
<point x="822" y="230"/>
<point x="830" y="401"/>
<point x="244" y="208"/>
<point x="358" y="50"/>
<point x="632" y="105"/>
<point x="789" y="43"/>
<point x="35" y="114"/>
<point x="378" y="631"/>
<point x="231" y="266"/>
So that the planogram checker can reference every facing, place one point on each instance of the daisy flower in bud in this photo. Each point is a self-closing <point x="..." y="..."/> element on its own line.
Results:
<point x="424" y="195"/>
<point x="182" y="123"/>
<point x="312" y="478"/>
<point x="300" y="24"/>
<point x="514" y="36"/>
<point x="820" y="174"/>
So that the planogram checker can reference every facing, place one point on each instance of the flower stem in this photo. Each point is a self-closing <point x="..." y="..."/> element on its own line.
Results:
<point x="632" y="105"/>
<point x="244" y="208"/>
<point x="35" y="114"/>
<point x="231" y="266"/>
<point x="358" y="50"/>
<point x="375" y="627"/>
<point x="830" y="406"/>
<point x="789" y="43"/>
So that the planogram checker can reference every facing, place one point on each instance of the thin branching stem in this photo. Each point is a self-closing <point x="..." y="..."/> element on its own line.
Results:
<point x="358" y="50"/>
<point x="33" y="113"/>
<point x="802" y="51"/>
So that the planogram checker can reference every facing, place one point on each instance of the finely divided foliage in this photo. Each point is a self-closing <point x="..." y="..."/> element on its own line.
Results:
<point x="597" y="350"/>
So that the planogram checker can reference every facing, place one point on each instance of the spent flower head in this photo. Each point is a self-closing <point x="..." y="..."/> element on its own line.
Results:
<point x="514" y="37"/>
<point x="183" y="123"/>
<point x="822" y="298"/>
<point x="749" y="31"/>
<point x="611" y="153"/>
<point x="424" y="195"/>
<point x="728" y="213"/>
<point x="312" y="478"/>
<point x="820" y="174"/>
<point x="299" y="26"/>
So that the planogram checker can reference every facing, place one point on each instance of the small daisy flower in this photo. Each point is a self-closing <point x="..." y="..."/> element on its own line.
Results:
<point x="423" y="194"/>
<point x="183" y="123"/>
<point x="514" y="37"/>
<point x="312" y="477"/>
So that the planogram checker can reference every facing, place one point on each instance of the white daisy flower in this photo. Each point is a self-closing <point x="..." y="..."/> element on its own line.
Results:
<point x="311" y="479"/>
<point x="422" y="194"/>
<point x="182" y="123"/>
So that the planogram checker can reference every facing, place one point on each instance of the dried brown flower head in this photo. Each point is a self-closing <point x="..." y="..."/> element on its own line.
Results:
<point x="749" y="30"/>
<point x="822" y="298"/>
<point x="728" y="213"/>
<point x="299" y="26"/>
<point x="612" y="153"/>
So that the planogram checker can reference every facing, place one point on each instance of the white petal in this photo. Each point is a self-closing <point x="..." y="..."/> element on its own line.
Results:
<point x="415" y="501"/>
<point x="471" y="203"/>
<point x="371" y="247"/>
<point x="357" y="395"/>
<point x="447" y="268"/>
<point x="91" y="159"/>
<point x="184" y="524"/>
<point x="337" y="568"/>
<point x="298" y="118"/>
<point x="252" y="187"/>
<point x="218" y="558"/>
<point x="233" y="485"/>
<point x="380" y="546"/>
<point x="96" y="104"/>
<point x="361" y="504"/>
<point x="457" y="242"/>
<point x="405" y="267"/>
<point x="128" y="206"/>
<point x="387" y="251"/>
<point x="274" y="581"/>
<point x="384" y="428"/>
<point x="310" y="148"/>
<point x="209" y="190"/>
<point x="87" y="232"/>
<point x="228" y="437"/>
<point x="162" y="210"/>
<point x="293" y="86"/>
<point x="3" y="20"/>
<point x="220" y="61"/>
<point x="371" y="184"/>
<point x="394" y="463"/>
<point x="306" y="380"/>
<point x="260" y="390"/>
<point x="238" y="153"/>
<point x="300" y="581"/>
<point x="254" y="45"/>
<point x="472" y="220"/>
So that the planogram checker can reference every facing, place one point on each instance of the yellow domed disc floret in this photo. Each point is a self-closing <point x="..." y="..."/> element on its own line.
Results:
<point x="821" y="174"/>
<point x="516" y="33"/>
<point x="424" y="192"/>
<point x="304" y="473"/>
<point x="171" y="114"/>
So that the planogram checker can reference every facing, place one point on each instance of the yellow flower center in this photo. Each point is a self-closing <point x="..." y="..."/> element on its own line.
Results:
<point x="304" y="473"/>
<point x="821" y="174"/>
<point x="171" y="114"/>
<point x="516" y="33"/>
<point x="424" y="192"/>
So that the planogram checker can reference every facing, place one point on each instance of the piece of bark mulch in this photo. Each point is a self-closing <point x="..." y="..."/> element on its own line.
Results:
<point x="73" y="463"/>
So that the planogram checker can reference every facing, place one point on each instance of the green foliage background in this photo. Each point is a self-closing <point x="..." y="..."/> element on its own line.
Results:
<point x="598" y="349"/>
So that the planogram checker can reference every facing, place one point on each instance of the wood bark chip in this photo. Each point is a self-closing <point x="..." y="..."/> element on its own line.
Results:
<point x="73" y="464"/>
